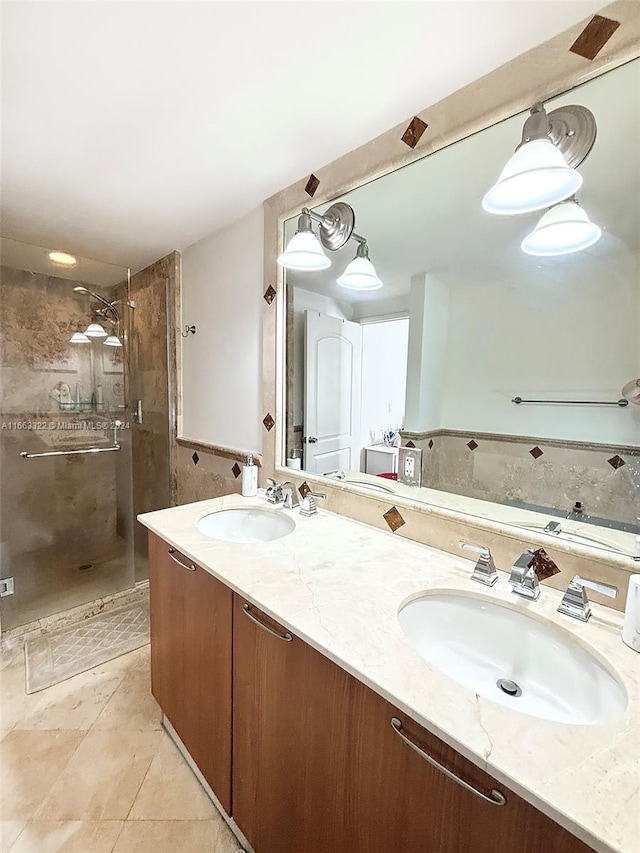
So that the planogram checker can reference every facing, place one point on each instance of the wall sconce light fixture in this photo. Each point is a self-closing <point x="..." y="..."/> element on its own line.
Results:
<point x="542" y="171"/>
<point x="305" y="250"/>
<point x="565" y="228"/>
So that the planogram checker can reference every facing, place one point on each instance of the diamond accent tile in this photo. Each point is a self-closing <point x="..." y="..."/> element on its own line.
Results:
<point x="393" y="518"/>
<point x="304" y="489"/>
<point x="616" y="462"/>
<point x="414" y="131"/>
<point x="269" y="295"/>
<point x="268" y="422"/>
<point x="237" y="470"/>
<point x="409" y="444"/>
<point x="472" y="444"/>
<point x="312" y="185"/>
<point x="195" y="457"/>
<point x="430" y="444"/>
<point x="536" y="452"/>
<point x="594" y="37"/>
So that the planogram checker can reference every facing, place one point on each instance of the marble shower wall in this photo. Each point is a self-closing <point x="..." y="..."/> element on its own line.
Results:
<point x="517" y="470"/>
<point x="151" y="331"/>
<point x="39" y="314"/>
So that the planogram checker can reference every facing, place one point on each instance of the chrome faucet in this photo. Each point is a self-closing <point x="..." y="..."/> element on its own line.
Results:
<point x="335" y="475"/>
<point x="485" y="570"/>
<point x="309" y="506"/>
<point x="523" y="577"/>
<point x="290" y="493"/>
<point x="575" y="602"/>
<point x="274" y="492"/>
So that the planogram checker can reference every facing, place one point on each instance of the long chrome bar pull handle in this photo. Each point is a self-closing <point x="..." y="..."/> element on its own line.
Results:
<point x="495" y="798"/>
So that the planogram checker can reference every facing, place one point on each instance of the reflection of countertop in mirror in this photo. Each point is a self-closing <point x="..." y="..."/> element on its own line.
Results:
<point x="338" y="585"/>
<point x="576" y="531"/>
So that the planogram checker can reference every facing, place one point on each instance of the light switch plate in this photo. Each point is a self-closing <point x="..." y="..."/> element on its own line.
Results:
<point x="410" y="466"/>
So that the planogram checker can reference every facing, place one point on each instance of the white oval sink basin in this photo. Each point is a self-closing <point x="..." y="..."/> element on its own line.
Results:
<point x="244" y="525"/>
<point x="542" y="670"/>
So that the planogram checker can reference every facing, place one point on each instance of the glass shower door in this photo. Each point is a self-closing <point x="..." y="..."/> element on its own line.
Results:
<point x="66" y="525"/>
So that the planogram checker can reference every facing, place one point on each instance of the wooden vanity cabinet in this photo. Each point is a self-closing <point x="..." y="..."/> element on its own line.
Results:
<point x="290" y="750"/>
<point x="191" y="633"/>
<point x="318" y="767"/>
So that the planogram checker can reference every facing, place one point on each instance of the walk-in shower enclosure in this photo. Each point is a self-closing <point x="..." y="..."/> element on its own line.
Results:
<point x="66" y="517"/>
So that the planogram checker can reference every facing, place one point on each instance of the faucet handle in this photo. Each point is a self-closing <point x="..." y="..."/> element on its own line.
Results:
<point x="523" y="577"/>
<point x="485" y="569"/>
<point x="575" y="602"/>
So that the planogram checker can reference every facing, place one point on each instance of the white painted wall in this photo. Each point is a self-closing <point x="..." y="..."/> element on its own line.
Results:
<point x="222" y="281"/>
<point x="384" y="368"/>
<point x="573" y="336"/>
<point x="429" y="330"/>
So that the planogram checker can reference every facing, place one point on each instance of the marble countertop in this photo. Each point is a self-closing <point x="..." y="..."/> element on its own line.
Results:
<point x="338" y="584"/>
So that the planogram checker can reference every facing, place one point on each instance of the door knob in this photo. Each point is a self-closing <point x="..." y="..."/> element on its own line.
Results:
<point x="312" y="439"/>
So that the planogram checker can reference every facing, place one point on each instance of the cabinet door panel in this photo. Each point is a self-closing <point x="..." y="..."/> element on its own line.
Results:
<point x="191" y="627"/>
<point x="290" y="751"/>
<point x="412" y="807"/>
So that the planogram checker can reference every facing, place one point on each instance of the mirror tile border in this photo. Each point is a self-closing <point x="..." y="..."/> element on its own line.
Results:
<point x="597" y="44"/>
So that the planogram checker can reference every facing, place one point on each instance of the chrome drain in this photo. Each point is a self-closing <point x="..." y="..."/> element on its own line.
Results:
<point x="509" y="687"/>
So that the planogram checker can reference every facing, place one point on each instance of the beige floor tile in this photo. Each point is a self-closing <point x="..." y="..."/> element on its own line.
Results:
<point x="103" y="777"/>
<point x="132" y="706"/>
<point x="9" y="831"/>
<point x="170" y="790"/>
<point x="31" y="762"/>
<point x="73" y="704"/>
<point x="181" y="836"/>
<point x="68" y="837"/>
<point x="137" y="659"/>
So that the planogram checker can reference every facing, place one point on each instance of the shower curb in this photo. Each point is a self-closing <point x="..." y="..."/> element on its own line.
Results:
<point x="13" y="640"/>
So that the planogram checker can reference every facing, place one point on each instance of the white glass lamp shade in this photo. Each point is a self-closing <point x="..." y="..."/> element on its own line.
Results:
<point x="535" y="177"/>
<point x="360" y="274"/>
<point x="95" y="330"/>
<point x="304" y="252"/>
<point x="79" y="338"/>
<point x="564" y="229"/>
<point x="113" y="341"/>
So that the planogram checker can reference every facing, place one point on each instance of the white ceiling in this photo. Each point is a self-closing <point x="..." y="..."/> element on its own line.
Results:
<point x="427" y="217"/>
<point x="131" y="129"/>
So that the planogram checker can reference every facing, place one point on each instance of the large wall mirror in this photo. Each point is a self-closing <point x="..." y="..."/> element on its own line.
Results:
<point x="465" y="323"/>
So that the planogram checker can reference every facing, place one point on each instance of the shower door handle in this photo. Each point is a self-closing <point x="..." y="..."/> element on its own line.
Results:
<point x="136" y="417"/>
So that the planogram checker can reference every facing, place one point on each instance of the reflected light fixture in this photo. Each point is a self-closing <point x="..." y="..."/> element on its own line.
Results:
<point x="360" y="274"/>
<point x="113" y="341"/>
<point x="62" y="259"/>
<point x="542" y="172"/>
<point x="305" y="251"/>
<point x="565" y="228"/>
<point x="95" y="330"/>
<point x="631" y="391"/>
<point x="79" y="338"/>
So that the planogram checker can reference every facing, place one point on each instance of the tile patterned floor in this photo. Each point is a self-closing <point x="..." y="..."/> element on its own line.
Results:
<point x="87" y="768"/>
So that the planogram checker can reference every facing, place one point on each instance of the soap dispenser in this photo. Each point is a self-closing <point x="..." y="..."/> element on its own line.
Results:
<point x="631" y="628"/>
<point x="249" y="478"/>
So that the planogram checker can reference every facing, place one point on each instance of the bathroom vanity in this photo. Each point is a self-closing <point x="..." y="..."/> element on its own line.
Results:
<point x="285" y="676"/>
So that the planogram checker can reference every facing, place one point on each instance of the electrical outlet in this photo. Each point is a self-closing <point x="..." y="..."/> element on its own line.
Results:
<point x="410" y="466"/>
